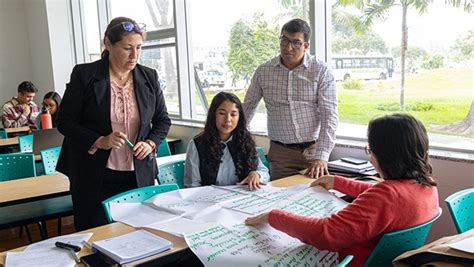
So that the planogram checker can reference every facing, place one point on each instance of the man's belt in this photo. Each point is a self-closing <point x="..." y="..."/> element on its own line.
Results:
<point x="296" y="145"/>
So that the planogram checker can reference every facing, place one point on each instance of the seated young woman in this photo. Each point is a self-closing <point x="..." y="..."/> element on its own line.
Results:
<point x="224" y="153"/>
<point x="407" y="196"/>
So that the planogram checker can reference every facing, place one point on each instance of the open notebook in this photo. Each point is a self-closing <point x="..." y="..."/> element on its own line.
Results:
<point x="132" y="246"/>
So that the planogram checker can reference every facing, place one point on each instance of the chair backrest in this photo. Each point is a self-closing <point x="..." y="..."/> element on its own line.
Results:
<point x="26" y="143"/>
<point x="135" y="196"/>
<point x="395" y="243"/>
<point x="345" y="261"/>
<point x="164" y="149"/>
<point x="49" y="158"/>
<point x="172" y="173"/>
<point x="15" y="166"/>
<point x="263" y="157"/>
<point x="3" y="134"/>
<point x="461" y="207"/>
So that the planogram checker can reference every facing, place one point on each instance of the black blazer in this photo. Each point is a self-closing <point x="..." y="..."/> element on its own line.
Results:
<point x="84" y="116"/>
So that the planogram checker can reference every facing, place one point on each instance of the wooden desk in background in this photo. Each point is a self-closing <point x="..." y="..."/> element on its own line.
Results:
<point x="180" y="247"/>
<point x="23" y="129"/>
<point x="12" y="141"/>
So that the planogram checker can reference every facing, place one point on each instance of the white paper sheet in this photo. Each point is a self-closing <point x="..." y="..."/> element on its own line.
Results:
<point x="466" y="245"/>
<point x="179" y="226"/>
<point x="138" y="214"/>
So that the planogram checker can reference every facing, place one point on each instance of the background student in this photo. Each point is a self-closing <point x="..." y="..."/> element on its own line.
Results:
<point x="224" y="153"/>
<point x="51" y="101"/>
<point x="106" y="102"/>
<point x="21" y="110"/>
<point x="398" y="147"/>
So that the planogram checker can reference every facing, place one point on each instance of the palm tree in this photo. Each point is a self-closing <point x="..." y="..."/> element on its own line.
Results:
<point x="378" y="9"/>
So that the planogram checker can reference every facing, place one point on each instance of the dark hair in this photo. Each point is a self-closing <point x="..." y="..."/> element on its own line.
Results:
<point x="56" y="98"/>
<point x="247" y="156"/>
<point x="115" y="33"/>
<point x="297" y="25"/>
<point x="27" y="87"/>
<point x="400" y="145"/>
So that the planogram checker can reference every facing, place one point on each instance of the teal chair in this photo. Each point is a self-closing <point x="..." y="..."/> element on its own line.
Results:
<point x="172" y="173"/>
<point x="461" y="207"/>
<point x="135" y="196"/>
<point x="263" y="157"/>
<point x="345" y="261"/>
<point x="49" y="158"/>
<point x="26" y="143"/>
<point x="16" y="166"/>
<point x="3" y="134"/>
<point x="164" y="149"/>
<point x="391" y="245"/>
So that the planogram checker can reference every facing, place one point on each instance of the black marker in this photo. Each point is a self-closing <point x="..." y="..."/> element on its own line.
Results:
<point x="67" y="246"/>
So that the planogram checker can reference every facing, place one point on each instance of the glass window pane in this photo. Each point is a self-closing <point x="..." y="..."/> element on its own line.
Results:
<point x="157" y="15"/>
<point x="438" y="74"/>
<point x="92" y="33"/>
<point x="164" y="61"/>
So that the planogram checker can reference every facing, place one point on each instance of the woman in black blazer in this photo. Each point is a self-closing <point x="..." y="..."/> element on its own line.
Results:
<point x="107" y="102"/>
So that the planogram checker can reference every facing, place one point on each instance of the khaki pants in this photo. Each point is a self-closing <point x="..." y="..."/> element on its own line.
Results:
<point x="286" y="161"/>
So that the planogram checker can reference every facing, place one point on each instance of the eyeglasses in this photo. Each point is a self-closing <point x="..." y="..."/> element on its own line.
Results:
<point x="285" y="41"/>
<point x="367" y="150"/>
<point x="130" y="26"/>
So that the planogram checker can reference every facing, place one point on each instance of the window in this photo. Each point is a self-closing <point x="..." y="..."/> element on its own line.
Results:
<point x="438" y="74"/>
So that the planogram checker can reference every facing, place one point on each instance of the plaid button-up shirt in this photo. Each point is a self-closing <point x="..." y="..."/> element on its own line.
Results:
<point x="301" y="103"/>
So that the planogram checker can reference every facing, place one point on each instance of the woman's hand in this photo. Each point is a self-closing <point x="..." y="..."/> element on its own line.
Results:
<point x="326" y="181"/>
<point x="253" y="180"/>
<point x="114" y="140"/>
<point x="256" y="220"/>
<point x="141" y="150"/>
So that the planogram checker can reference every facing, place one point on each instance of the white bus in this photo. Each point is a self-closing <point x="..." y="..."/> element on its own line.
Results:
<point x="362" y="67"/>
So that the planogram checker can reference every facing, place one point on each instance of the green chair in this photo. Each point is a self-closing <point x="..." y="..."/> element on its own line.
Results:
<point x="164" y="149"/>
<point x="26" y="143"/>
<point x="345" y="261"/>
<point x="15" y="166"/>
<point x="135" y="196"/>
<point x="263" y="157"/>
<point x="395" y="243"/>
<point x="461" y="207"/>
<point x="172" y="173"/>
<point x="49" y="158"/>
<point x="3" y="134"/>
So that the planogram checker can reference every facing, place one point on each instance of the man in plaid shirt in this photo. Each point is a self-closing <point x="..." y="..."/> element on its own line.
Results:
<point x="300" y="97"/>
<point x="21" y="110"/>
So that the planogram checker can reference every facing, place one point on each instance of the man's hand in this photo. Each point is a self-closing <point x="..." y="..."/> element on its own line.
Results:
<point x="253" y="180"/>
<point x="318" y="168"/>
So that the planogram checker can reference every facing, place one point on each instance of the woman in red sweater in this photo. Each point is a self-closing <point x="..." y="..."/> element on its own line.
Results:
<point x="398" y="148"/>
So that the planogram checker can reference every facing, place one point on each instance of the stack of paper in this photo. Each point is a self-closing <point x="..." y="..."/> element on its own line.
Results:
<point x="342" y="166"/>
<point x="132" y="246"/>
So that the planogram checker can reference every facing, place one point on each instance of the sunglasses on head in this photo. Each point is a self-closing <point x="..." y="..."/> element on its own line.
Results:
<point x="130" y="26"/>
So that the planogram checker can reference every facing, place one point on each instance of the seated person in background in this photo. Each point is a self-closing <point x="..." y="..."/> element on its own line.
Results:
<point x="21" y="110"/>
<point x="398" y="147"/>
<point x="224" y="153"/>
<point x="51" y="101"/>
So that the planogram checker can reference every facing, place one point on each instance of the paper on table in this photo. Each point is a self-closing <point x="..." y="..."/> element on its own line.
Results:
<point x="137" y="214"/>
<point x="179" y="226"/>
<point x="73" y="239"/>
<point x="466" y="245"/>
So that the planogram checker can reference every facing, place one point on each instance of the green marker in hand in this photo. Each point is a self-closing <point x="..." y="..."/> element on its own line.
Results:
<point x="129" y="144"/>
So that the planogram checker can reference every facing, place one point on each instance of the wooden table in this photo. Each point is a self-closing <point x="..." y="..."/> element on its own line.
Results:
<point x="18" y="129"/>
<point x="180" y="247"/>
<point x="12" y="141"/>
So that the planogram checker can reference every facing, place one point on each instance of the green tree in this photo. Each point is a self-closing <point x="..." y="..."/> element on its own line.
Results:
<point x="359" y="44"/>
<point x="433" y="62"/>
<point x="250" y="44"/>
<point x="464" y="47"/>
<point x="414" y="56"/>
<point x="378" y="9"/>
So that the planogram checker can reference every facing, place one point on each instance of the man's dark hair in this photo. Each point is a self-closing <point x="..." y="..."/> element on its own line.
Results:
<point x="297" y="25"/>
<point x="27" y="87"/>
<point x="400" y="145"/>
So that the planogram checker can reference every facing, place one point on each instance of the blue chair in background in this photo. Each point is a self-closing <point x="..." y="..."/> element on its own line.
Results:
<point x="461" y="208"/>
<point x="263" y="157"/>
<point x="135" y="196"/>
<point x="164" y="149"/>
<point x="3" y="134"/>
<point x="391" y="245"/>
<point x="15" y="166"/>
<point x="172" y="173"/>
<point x="26" y="143"/>
<point x="49" y="158"/>
<point x="345" y="261"/>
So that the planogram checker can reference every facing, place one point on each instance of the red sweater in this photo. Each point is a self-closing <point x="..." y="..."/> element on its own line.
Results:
<point x="385" y="207"/>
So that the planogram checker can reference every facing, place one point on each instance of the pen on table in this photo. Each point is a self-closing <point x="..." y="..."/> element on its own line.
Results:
<point x="69" y="249"/>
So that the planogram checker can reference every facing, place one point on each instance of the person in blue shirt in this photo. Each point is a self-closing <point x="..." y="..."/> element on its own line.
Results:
<point x="224" y="153"/>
